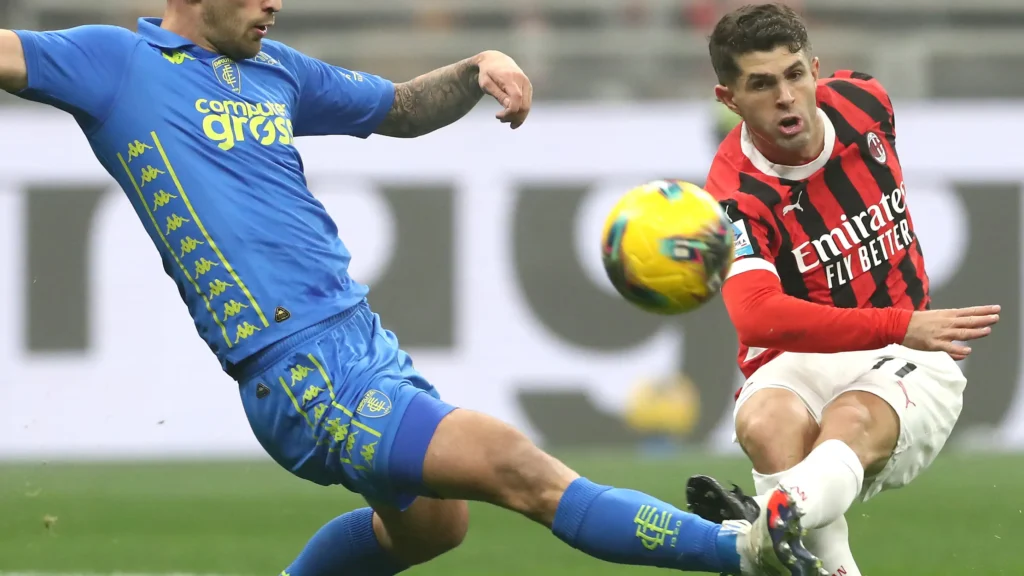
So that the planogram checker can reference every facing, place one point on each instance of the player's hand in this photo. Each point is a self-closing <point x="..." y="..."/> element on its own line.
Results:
<point x="502" y="78"/>
<point x="945" y="330"/>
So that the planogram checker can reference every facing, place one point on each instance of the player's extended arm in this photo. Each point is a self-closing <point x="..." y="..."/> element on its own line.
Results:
<point x="439" y="98"/>
<point x="766" y="317"/>
<point x="13" y="72"/>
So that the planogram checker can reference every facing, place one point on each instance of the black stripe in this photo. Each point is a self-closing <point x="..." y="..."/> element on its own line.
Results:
<point x="915" y="278"/>
<point x="862" y="99"/>
<point x="888" y="127"/>
<point x="907" y="369"/>
<point x="915" y="285"/>
<point x="871" y="106"/>
<point x="853" y="204"/>
<point x="886" y="184"/>
<point x="846" y="133"/>
<point x="891" y="139"/>
<point x="862" y="76"/>
<point x="814" y="225"/>
<point x="790" y="276"/>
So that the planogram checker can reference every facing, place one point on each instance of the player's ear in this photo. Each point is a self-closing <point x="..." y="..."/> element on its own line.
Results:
<point x="724" y="95"/>
<point x="815" y="68"/>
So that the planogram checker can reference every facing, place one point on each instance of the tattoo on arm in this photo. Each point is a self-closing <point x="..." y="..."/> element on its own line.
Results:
<point x="433" y="100"/>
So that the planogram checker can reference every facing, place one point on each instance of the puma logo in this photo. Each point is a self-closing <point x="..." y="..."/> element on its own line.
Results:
<point x="905" y="395"/>
<point x="794" y="206"/>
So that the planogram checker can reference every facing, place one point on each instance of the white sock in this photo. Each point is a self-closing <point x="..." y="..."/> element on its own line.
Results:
<point x="831" y="543"/>
<point x="825" y="483"/>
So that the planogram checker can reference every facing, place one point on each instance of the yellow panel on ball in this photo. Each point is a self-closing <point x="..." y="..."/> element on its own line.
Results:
<point x="667" y="246"/>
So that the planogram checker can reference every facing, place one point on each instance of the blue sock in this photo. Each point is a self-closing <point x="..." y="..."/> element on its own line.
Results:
<point x="345" y="545"/>
<point x="629" y="527"/>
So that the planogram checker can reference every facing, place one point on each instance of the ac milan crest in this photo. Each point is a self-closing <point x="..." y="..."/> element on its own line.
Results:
<point x="876" y="148"/>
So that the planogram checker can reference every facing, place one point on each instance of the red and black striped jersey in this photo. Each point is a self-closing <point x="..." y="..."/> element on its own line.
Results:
<point x="836" y="231"/>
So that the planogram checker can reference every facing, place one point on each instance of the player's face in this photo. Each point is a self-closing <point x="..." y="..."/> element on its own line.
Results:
<point x="236" y="28"/>
<point x="775" y="95"/>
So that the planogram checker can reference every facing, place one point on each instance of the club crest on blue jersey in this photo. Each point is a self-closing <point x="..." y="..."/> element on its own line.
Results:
<point x="375" y="404"/>
<point x="228" y="73"/>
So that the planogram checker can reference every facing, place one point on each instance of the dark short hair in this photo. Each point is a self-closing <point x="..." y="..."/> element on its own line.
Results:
<point x="760" y="28"/>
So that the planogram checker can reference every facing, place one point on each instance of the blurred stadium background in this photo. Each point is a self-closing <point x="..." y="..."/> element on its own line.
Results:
<point x="482" y="250"/>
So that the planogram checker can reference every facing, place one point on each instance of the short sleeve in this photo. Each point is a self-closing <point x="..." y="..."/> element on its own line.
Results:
<point x="337" y="101"/>
<point x="755" y="237"/>
<point x="79" y="70"/>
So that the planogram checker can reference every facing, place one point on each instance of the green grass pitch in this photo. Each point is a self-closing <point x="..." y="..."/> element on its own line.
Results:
<point x="964" y="516"/>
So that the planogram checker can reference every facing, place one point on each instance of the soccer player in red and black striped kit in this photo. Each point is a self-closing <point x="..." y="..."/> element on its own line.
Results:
<point x="852" y="383"/>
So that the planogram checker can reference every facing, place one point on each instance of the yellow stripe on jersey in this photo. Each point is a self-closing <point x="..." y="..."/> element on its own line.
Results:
<point x="195" y="218"/>
<point x="156" y="226"/>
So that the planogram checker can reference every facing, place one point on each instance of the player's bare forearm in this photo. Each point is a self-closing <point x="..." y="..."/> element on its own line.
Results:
<point x="433" y="100"/>
<point x="13" y="72"/>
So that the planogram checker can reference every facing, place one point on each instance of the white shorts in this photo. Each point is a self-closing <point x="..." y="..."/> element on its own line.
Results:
<point x="924" y="388"/>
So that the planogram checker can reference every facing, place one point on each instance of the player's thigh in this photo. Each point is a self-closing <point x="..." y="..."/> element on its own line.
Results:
<point x="347" y="407"/>
<point x="925" y="391"/>
<point x="865" y="422"/>
<point x="473" y="456"/>
<point x="425" y="530"/>
<point x="777" y="412"/>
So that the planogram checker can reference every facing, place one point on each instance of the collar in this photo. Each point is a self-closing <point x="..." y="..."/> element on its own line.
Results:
<point x="149" y="28"/>
<point x="790" y="172"/>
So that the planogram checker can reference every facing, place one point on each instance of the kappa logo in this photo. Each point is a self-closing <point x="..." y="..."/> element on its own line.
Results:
<point x="178" y="57"/>
<point x="228" y="73"/>
<point x="266" y="59"/>
<point x="375" y="404"/>
<point x="876" y="148"/>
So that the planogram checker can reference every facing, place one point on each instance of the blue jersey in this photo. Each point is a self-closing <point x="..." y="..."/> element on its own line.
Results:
<point x="204" y="148"/>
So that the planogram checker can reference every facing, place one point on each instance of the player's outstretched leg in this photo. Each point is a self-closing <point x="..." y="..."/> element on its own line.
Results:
<point x="714" y="502"/>
<point x="475" y="457"/>
<point x="777" y="432"/>
<point x="859" y="431"/>
<point x="382" y="541"/>
<point x="830" y="543"/>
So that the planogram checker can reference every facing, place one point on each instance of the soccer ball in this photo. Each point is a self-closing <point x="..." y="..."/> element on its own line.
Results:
<point x="667" y="246"/>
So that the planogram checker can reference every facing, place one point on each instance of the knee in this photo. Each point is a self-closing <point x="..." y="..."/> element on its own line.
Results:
<point x="435" y="528"/>
<point x="853" y="417"/>
<point x="865" y="423"/>
<point x="776" y="431"/>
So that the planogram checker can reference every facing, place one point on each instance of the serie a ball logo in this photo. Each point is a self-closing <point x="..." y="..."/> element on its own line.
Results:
<point x="667" y="246"/>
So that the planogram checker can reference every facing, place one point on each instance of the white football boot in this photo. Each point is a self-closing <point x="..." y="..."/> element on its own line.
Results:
<point x="772" y="545"/>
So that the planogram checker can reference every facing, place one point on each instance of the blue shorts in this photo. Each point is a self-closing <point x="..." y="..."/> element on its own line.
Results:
<point x="340" y="403"/>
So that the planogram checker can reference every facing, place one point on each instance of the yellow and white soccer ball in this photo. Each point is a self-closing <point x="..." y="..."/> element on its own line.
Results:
<point x="667" y="246"/>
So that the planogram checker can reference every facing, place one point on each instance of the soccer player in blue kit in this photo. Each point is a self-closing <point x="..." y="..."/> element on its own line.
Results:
<point x="195" y="116"/>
